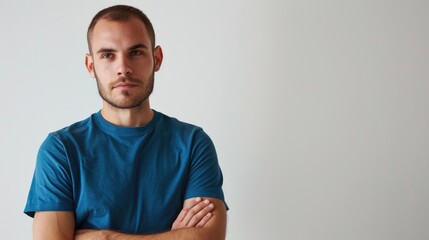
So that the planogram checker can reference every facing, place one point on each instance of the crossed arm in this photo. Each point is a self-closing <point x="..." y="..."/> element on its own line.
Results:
<point x="199" y="219"/>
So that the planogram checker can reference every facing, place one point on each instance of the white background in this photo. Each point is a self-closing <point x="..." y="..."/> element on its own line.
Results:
<point x="319" y="109"/>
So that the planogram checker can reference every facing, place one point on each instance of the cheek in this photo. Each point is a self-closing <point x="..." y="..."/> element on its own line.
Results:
<point x="144" y="65"/>
<point x="102" y="71"/>
<point x="148" y="69"/>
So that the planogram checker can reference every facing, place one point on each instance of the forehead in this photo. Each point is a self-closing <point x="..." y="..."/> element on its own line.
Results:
<point x="131" y="31"/>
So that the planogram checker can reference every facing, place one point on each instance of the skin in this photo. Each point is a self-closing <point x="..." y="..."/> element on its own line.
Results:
<point x="123" y="64"/>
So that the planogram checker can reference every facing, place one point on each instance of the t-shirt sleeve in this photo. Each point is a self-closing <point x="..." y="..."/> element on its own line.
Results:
<point x="205" y="177"/>
<point x="51" y="187"/>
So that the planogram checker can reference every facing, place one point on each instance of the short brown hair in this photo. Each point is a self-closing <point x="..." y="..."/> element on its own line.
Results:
<point x="120" y="13"/>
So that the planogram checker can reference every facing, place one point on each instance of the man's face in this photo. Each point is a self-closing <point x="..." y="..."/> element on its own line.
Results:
<point x="123" y="62"/>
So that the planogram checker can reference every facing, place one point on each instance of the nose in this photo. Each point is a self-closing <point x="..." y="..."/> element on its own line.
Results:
<point x="123" y="68"/>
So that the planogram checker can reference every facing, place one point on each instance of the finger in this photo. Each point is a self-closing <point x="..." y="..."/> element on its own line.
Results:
<point x="205" y="219"/>
<point x="190" y="204"/>
<point x="200" y="215"/>
<point x="179" y="222"/>
<point x="186" y="208"/>
<point x="194" y="211"/>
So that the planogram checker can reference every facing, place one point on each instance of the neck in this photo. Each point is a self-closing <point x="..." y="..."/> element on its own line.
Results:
<point x="134" y="117"/>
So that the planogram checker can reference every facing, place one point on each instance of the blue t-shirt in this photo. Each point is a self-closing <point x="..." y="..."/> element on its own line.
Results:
<point x="133" y="180"/>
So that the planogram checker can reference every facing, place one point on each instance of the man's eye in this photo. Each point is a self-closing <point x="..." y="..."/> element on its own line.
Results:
<point x="107" y="55"/>
<point x="136" y="53"/>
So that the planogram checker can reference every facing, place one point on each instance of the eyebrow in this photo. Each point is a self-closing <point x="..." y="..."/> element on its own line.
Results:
<point x="139" y="45"/>
<point x="136" y="46"/>
<point x="103" y="50"/>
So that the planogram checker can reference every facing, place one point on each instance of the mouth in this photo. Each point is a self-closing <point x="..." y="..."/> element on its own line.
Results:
<point x="125" y="85"/>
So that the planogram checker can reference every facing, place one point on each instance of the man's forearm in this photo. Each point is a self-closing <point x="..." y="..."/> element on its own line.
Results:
<point x="190" y="233"/>
<point x="214" y="229"/>
<point x="178" y="234"/>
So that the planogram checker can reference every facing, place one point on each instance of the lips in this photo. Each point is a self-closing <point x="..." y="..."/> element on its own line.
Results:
<point x="125" y="85"/>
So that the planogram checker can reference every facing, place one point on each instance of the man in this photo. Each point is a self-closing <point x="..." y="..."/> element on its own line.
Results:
<point x="126" y="172"/>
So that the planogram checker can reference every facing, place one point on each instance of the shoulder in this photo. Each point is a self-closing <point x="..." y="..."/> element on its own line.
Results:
<point x="188" y="132"/>
<point x="75" y="129"/>
<point x="174" y="124"/>
<point x="75" y="132"/>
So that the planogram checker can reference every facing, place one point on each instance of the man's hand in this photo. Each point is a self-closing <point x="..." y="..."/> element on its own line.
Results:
<point x="196" y="212"/>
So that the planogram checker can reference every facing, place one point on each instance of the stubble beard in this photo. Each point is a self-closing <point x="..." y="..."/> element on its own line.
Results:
<point x="130" y="101"/>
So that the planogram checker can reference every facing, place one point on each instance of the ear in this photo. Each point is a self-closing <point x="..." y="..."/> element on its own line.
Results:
<point x="89" y="63"/>
<point x="157" y="56"/>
